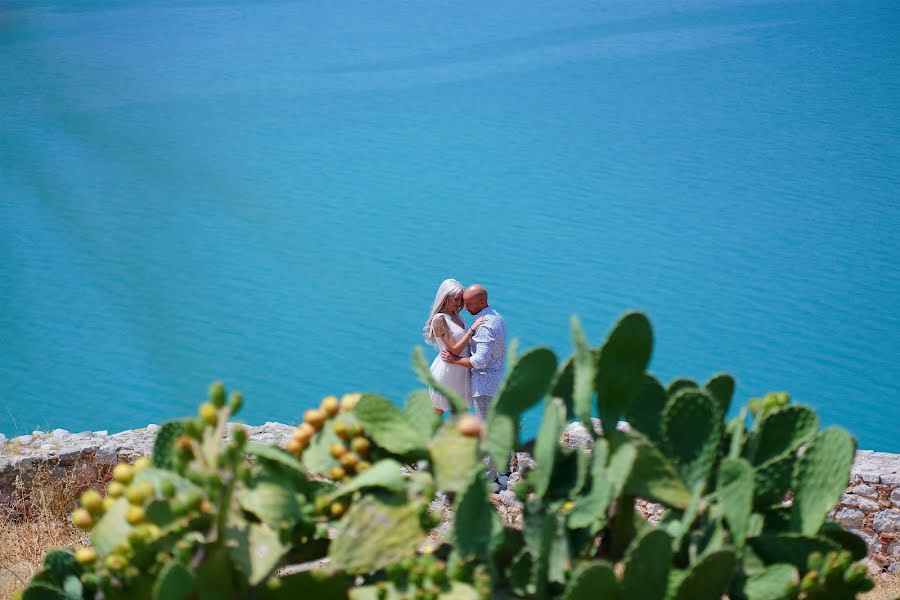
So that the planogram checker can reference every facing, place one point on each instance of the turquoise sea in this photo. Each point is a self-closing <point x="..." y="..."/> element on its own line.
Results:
<point x="270" y="193"/>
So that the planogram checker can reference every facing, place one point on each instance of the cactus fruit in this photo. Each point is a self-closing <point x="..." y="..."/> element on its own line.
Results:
<point x="123" y="473"/>
<point x="235" y="402"/>
<point x="82" y="519"/>
<point x="361" y="445"/>
<point x="330" y="406"/>
<point x="92" y="501"/>
<point x="315" y="418"/>
<point x="469" y="425"/>
<point x="86" y="556"/>
<point x="337" y="450"/>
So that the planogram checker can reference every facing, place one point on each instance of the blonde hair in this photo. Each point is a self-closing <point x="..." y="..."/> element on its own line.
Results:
<point x="448" y="287"/>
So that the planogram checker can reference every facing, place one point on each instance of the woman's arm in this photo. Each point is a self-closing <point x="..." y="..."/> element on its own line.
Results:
<point x="439" y="326"/>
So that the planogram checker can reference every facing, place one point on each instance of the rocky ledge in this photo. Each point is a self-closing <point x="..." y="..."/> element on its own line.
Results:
<point x="870" y="507"/>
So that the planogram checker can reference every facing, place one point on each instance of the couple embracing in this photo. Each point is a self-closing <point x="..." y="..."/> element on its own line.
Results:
<point x="471" y="359"/>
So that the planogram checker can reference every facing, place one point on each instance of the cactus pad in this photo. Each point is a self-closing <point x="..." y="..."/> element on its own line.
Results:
<point x="771" y="480"/>
<point x="453" y="457"/>
<point x="473" y="517"/>
<point x="594" y="580"/>
<point x="647" y="563"/>
<point x="708" y="579"/>
<point x="547" y="445"/>
<point x="423" y="371"/>
<point x="175" y="582"/>
<point x="691" y="432"/>
<point x="775" y="582"/>
<point x="374" y="534"/>
<point x="820" y="478"/>
<point x="780" y="432"/>
<point x="735" y="488"/>
<point x="790" y="548"/>
<point x="653" y="477"/>
<point x="528" y="381"/>
<point x="621" y="363"/>
<point x="645" y="410"/>
<point x="388" y="427"/>
<point x="721" y="387"/>
<point x="419" y="409"/>
<point x="583" y="376"/>
<point x="164" y="445"/>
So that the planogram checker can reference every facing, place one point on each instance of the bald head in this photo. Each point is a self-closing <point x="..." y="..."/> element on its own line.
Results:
<point x="476" y="298"/>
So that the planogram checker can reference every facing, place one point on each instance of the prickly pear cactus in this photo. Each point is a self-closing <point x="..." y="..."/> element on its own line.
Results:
<point x="218" y="516"/>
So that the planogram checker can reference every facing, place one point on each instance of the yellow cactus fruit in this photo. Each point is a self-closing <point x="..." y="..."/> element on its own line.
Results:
<point x="135" y="515"/>
<point x="206" y="506"/>
<point x="337" y="450"/>
<point x="361" y="445"/>
<point x="336" y="473"/>
<point x="336" y="509"/>
<point x="568" y="505"/>
<point x="348" y="402"/>
<point x="349" y="461"/>
<point x="363" y="466"/>
<point x="92" y="501"/>
<point x="86" y="556"/>
<point x="115" y="563"/>
<point x="342" y="430"/>
<point x="115" y="489"/>
<point x="314" y="417"/>
<point x="330" y="406"/>
<point x="108" y="503"/>
<point x="123" y="473"/>
<point x="469" y="425"/>
<point x="138" y="493"/>
<point x="295" y="446"/>
<point x="209" y="414"/>
<point x="141" y="464"/>
<point x="82" y="519"/>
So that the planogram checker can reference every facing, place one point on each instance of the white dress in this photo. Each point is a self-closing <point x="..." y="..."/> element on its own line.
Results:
<point x="455" y="377"/>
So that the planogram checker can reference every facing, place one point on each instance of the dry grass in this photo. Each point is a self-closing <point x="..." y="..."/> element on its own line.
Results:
<point x="887" y="587"/>
<point x="38" y="521"/>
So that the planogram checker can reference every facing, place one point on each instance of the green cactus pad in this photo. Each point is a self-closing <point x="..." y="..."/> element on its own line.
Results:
<point x="175" y="582"/>
<point x="500" y="438"/>
<point x="112" y="529"/>
<point x="419" y="409"/>
<point x="271" y="501"/>
<point x="453" y="457"/>
<point x="374" y="534"/>
<point x="423" y="371"/>
<point x="772" y="479"/>
<point x="647" y="562"/>
<point x="255" y="549"/>
<point x="780" y="432"/>
<point x="594" y="580"/>
<point x="735" y="489"/>
<point x="708" y="579"/>
<point x="590" y="507"/>
<point x="790" y="548"/>
<point x="60" y="564"/>
<point x="621" y="363"/>
<point x="653" y="477"/>
<point x="44" y="591"/>
<point x="317" y="456"/>
<point x="276" y="455"/>
<point x="164" y="445"/>
<point x="528" y="381"/>
<point x="386" y="474"/>
<point x="584" y="374"/>
<point x="721" y="387"/>
<point x="388" y="427"/>
<point x="691" y="432"/>
<point x="547" y="445"/>
<point x="820" y="478"/>
<point x="645" y="410"/>
<point x="681" y="383"/>
<point x="845" y="539"/>
<point x="318" y="584"/>
<point x="775" y="582"/>
<point x="473" y="517"/>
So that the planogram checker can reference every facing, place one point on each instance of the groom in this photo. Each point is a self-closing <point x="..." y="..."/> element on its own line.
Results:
<point x="488" y="354"/>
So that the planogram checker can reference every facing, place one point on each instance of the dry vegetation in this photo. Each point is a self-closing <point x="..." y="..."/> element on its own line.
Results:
<point x="38" y="521"/>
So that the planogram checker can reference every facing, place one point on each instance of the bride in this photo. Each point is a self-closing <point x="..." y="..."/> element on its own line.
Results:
<point x="444" y="329"/>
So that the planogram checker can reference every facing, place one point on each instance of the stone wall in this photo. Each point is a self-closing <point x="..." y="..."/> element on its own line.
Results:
<point x="871" y="506"/>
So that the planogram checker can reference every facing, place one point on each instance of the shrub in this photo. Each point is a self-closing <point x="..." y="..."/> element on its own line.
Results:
<point x="746" y="499"/>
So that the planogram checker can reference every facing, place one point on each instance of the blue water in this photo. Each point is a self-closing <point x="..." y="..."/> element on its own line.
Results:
<point x="270" y="193"/>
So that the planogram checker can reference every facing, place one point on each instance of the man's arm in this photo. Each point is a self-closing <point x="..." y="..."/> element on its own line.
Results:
<point x="484" y="348"/>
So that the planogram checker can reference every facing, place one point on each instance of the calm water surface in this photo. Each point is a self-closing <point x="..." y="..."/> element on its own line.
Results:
<point x="270" y="193"/>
